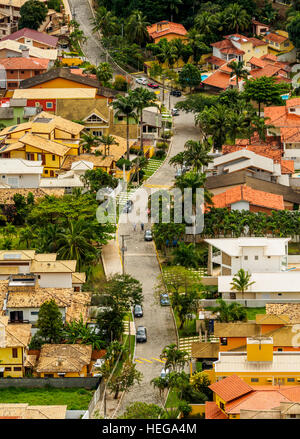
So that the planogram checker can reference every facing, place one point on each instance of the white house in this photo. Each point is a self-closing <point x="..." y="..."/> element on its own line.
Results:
<point x="68" y="181"/>
<point x="20" y="173"/>
<point x="258" y="165"/>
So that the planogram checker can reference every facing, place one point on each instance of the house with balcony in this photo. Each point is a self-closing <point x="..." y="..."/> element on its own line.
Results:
<point x="47" y="138"/>
<point x="235" y="399"/>
<point x="14" y="339"/>
<point x="280" y="45"/>
<point x="14" y="49"/>
<point x="10" y="15"/>
<point x="64" y="360"/>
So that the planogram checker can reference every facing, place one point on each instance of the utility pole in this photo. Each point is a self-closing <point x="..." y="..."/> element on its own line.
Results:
<point x="123" y="250"/>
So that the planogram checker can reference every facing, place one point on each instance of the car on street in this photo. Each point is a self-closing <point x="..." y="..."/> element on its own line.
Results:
<point x="152" y="85"/>
<point x="175" y="112"/>
<point x="141" y="334"/>
<point x="175" y="93"/>
<point x="128" y="206"/>
<point x="148" y="235"/>
<point x="178" y="173"/>
<point x="142" y="81"/>
<point x="164" y="299"/>
<point x="138" y="311"/>
<point x="164" y="372"/>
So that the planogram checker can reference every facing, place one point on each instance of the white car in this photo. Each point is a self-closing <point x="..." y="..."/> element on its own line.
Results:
<point x="142" y="81"/>
<point x="164" y="372"/>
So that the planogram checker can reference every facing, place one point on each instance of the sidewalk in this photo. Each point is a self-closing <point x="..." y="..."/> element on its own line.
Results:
<point x="111" y="258"/>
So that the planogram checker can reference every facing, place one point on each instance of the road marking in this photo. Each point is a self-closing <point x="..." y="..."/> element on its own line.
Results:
<point x="152" y="358"/>
<point x="138" y="361"/>
<point x="145" y="359"/>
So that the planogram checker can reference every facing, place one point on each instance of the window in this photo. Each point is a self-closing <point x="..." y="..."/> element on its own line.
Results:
<point x="7" y="369"/>
<point x="269" y="257"/>
<point x="49" y="105"/>
<point x="254" y="380"/>
<point x="97" y="133"/>
<point x="222" y="406"/>
<point x="13" y="181"/>
<point x="22" y="71"/>
<point x="12" y="84"/>
<point x="77" y="289"/>
<point x="246" y="258"/>
<point x="48" y="375"/>
<point x="17" y="369"/>
<point x="291" y="380"/>
<point x="14" y="352"/>
<point x="276" y="44"/>
<point x="223" y="341"/>
<point x="293" y="416"/>
<point x="39" y="276"/>
<point x="232" y="295"/>
<point x="94" y="118"/>
<point x="279" y="294"/>
<point x="292" y="110"/>
<point x="34" y="313"/>
<point x="12" y="72"/>
<point x="46" y="171"/>
<point x="256" y="258"/>
<point x="286" y="44"/>
<point x="53" y="158"/>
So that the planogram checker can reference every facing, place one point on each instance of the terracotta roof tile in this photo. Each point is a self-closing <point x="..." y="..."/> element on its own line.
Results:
<point x="258" y="400"/>
<point x="256" y="42"/>
<point x="269" y="151"/>
<point x="269" y="57"/>
<point x="212" y="411"/>
<point x="275" y="37"/>
<point x="254" y="197"/>
<point x="173" y="28"/>
<point x="259" y="62"/>
<point x="218" y="79"/>
<point x="64" y="358"/>
<point x="268" y="70"/>
<point x="231" y="388"/>
<point x="287" y="166"/>
<point x="279" y="117"/>
<point x="34" y="35"/>
<point x="290" y="135"/>
<point x="215" y="60"/>
<point x="293" y="102"/>
<point x="21" y="63"/>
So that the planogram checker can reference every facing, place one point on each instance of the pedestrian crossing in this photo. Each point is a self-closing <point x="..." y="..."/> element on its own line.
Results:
<point x="151" y="360"/>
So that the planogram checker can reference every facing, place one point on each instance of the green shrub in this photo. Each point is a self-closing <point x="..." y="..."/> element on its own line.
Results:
<point x="127" y="163"/>
<point x="120" y="83"/>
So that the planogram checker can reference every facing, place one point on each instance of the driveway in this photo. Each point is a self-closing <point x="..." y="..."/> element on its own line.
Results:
<point x="141" y="263"/>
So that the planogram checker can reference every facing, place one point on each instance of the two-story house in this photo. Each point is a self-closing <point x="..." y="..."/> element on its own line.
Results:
<point x="31" y="37"/>
<point x="166" y="29"/>
<point x="279" y="44"/>
<point x="15" y="69"/>
<point x="20" y="173"/>
<point x="14" y="340"/>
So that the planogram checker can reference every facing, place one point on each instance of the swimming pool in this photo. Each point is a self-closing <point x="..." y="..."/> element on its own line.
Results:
<point x="285" y="97"/>
<point x="203" y="77"/>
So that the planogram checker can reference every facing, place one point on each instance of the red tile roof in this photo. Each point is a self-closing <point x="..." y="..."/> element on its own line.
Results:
<point x="275" y="37"/>
<point x="230" y="388"/>
<point x="290" y="135"/>
<point x="253" y="196"/>
<point x="81" y="73"/>
<point x="279" y="117"/>
<point x="218" y="79"/>
<point x="212" y="411"/>
<point x="222" y="44"/>
<point x="259" y="62"/>
<point x="256" y="42"/>
<point x="294" y="102"/>
<point x="258" y="400"/>
<point x="232" y="51"/>
<point x="20" y="63"/>
<point x="287" y="166"/>
<point x="215" y="61"/>
<point x="173" y="28"/>
<point x="267" y="70"/>
<point x="266" y="150"/>
<point x="269" y="57"/>
<point x="34" y="35"/>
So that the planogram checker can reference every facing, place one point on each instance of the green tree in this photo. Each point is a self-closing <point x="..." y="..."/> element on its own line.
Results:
<point x="88" y="141"/>
<point x="125" y="106"/>
<point x="77" y="36"/>
<point x="293" y="29"/>
<point x="207" y="23"/>
<point x="214" y="122"/>
<point x="50" y="323"/>
<point x="238" y="71"/>
<point x="186" y="255"/>
<point x="230" y="313"/>
<point x="264" y="90"/>
<point x="141" y="410"/>
<point x="104" y="73"/>
<point x="189" y="76"/>
<point x="241" y="281"/>
<point x="196" y="154"/>
<point x="142" y="98"/>
<point x="198" y="45"/>
<point x="173" y="7"/>
<point x="107" y="141"/>
<point x="32" y="14"/>
<point x="105" y="22"/>
<point x="96" y="179"/>
<point x="27" y="236"/>
<point x="76" y="331"/>
<point x="175" y="359"/>
<point x="236" y="18"/>
<point x="136" y="28"/>
<point x="126" y="379"/>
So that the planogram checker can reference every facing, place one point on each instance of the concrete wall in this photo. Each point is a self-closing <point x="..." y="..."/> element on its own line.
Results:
<point x="80" y="382"/>
<point x="55" y="280"/>
<point x="74" y="414"/>
<point x="262" y="264"/>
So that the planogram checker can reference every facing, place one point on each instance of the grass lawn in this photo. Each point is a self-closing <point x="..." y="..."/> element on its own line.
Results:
<point x="251" y="312"/>
<point x="75" y="399"/>
<point x="189" y="328"/>
<point x="294" y="248"/>
<point x="172" y="400"/>
<point x="96" y="279"/>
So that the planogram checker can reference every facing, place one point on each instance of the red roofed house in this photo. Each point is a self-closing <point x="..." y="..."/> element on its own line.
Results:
<point x="166" y="29"/>
<point x="286" y="120"/>
<point x="235" y="399"/>
<point x="220" y="79"/>
<point x="259" y="28"/>
<point x="18" y="69"/>
<point x="246" y="198"/>
<point x="34" y="38"/>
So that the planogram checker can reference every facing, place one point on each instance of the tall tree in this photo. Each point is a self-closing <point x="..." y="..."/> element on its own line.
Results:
<point x="107" y="141"/>
<point x="196" y="154"/>
<point x="105" y="22"/>
<point x="175" y="359"/>
<point x="238" y="71"/>
<point x="104" y="73"/>
<point x="127" y="378"/>
<point x="293" y="29"/>
<point x="173" y="7"/>
<point x="236" y="18"/>
<point x="241" y="282"/>
<point x="33" y="13"/>
<point x="136" y="28"/>
<point x="88" y="141"/>
<point x="189" y="76"/>
<point x="125" y="106"/>
<point x="50" y="323"/>
<point x="230" y="313"/>
<point x="265" y="90"/>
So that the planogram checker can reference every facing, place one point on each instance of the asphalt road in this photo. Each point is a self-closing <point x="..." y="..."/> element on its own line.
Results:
<point x="141" y="263"/>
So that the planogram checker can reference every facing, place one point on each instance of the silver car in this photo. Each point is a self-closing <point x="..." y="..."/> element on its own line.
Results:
<point x="142" y="81"/>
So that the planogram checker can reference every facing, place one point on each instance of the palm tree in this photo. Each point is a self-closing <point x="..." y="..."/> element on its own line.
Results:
<point x="236" y="18"/>
<point x="196" y="154"/>
<point x="88" y="141"/>
<point x="173" y="6"/>
<point x="259" y="126"/>
<point x="178" y="159"/>
<point x="206" y="23"/>
<point x="143" y="98"/>
<point x="125" y="106"/>
<point x="74" y="243"/>
<point x="241" y="281"/>
<point x="107" y="140"/>
<point x="229" y="313"/>
<point x="105" y="22"/>
<point x="104" y="73"/>
<point x="161" y="384"/>
<point x="196" y="41"/>
<point x="175" y="358"/>
<point x="179" y="47"/>
<point x="214" y="122"/>
<point x="48" y="238"/>
<point x="27" y="235"/>
<point x="238" y="71"/>
<point x="186" y="255"/>
<point x="136" y="28"/>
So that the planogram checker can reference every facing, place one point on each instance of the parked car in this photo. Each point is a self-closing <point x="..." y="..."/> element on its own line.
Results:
<point x="175" y="112"/>
<point x="138" y="311"/>
<point x="164" y="372"/>
<point x="128" y="206"/>
<point x="164" y="299"/>
<point x="141" y="334"/>
<point x="175" y="93"/>
<point x="148" y="235"/>
<point x="178" y="173"/>
<point x="142" y="81"/>
<point x="152" y="85"/>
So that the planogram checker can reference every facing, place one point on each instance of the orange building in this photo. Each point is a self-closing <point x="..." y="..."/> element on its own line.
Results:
<point x="20" y="68"/>
<point x="166" y="29"/>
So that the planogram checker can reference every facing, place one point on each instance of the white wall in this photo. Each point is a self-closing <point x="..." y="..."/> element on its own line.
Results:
<point x="55" y="280"/>
<point x="240" y="205"/>
<point x="263" y="264"/>
<point x="24" y="181"/>
<point x="33" y="318"/>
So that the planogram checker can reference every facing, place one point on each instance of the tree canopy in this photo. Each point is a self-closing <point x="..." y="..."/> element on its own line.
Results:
<point x="33" y="13"/>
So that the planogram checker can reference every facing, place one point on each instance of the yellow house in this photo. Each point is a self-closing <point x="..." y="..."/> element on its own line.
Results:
<point x="278" y="42"/>
<point x="166" y="29"/>
<point x="64" y="360"/>
<point x="47" y="138"/>
<point x="14" y="339"/>
<point x="275" y="367"/>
